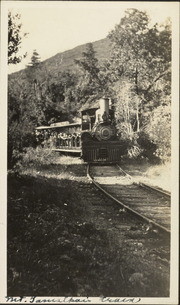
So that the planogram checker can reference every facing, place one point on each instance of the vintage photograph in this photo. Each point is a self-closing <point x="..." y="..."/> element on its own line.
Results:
<point x="91" y="143"/>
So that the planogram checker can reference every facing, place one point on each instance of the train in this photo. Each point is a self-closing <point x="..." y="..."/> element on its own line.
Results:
<point x="94" y="136"/>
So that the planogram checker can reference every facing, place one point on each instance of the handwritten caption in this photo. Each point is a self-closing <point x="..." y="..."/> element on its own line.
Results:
<point x="69" y="300"/>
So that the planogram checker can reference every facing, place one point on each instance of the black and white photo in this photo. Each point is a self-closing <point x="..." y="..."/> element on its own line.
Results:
<point x="90" y="150"/>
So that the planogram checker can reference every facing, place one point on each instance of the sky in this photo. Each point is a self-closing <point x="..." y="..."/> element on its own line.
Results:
<point x="57" y="26"/>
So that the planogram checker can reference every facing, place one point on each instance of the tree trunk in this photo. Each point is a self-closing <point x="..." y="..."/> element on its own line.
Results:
<point x="137" y="103"/>
<point x="136" y="81"/>
<point x="137" y="116"/>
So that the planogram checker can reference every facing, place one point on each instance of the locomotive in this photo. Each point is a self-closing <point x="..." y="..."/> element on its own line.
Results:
<point x="94" y="137"/>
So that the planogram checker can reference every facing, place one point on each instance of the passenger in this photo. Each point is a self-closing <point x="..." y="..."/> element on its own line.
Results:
<point x="55" y="138"/>
<point x="52" y="139"/>
<point x="60" y="139"/>
<point x="78" y="140"/>
<point x="73" y="140"/>
<point x="66" y="140"/>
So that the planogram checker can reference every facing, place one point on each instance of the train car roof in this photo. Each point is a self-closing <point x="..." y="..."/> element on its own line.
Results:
<point x="58" y="125"/>
<point x="43" y="127"/>
<point x="63" y="124"/>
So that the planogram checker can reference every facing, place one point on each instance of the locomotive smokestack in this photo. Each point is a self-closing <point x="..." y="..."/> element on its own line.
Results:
<point x="104" y="106"/>
<point x="102" y="114"/>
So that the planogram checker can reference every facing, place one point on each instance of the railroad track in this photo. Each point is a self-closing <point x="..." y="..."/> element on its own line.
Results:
<point x="148" y="203"/>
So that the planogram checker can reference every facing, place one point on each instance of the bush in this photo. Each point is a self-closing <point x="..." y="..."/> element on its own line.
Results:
<point x="19" y="137"/>
<point x="148" y="148"/>
<point x="41" y="155"/>
<point x="159" y="131"/>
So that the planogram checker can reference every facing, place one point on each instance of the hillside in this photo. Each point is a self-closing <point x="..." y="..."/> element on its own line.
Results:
<point x="65" y="60"/>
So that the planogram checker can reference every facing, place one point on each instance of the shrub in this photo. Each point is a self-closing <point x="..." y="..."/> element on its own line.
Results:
<point x="19" y="137"/>
<point x="159" y="131"/>
<point x="148" y="147"/>
<point x="41" y="155"/>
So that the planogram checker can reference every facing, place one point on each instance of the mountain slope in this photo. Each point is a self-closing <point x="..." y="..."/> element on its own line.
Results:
<point x="65" y="60"/>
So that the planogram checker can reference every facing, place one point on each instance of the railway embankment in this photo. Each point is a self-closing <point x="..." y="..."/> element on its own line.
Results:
<point x="155" y="175"/>
<point x="66" y="238"/>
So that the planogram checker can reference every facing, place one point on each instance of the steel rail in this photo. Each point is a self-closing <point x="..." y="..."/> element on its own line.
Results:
<point x="144" y="218"/>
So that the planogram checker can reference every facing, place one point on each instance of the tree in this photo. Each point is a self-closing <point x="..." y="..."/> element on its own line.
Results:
<point x="15" y="37"/>
<point x="59" y="92"/>
<point x="159" y="131"/>
<point x="140" y="53"/>
<point x="140" y="68"/>
<point x="89" y="63"/>
<point x="21" y="118"/>
<point x="34" y="70"/>
<point x="127" y="106"/>
<point x="140" y="50"/>
<point x="90" y="85"/>
<point x="35" y="59"/>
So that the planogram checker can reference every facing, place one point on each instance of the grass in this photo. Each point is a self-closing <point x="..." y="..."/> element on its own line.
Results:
<point x="52" y="249"/>
<point x="155" y="175"/>
<point x="59" y="245"/>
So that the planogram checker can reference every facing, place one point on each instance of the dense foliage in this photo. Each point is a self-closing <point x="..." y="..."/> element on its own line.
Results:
<point x="15" y="37"/>
<point x="140" y="65"/>
<point x="137" y="75"/>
